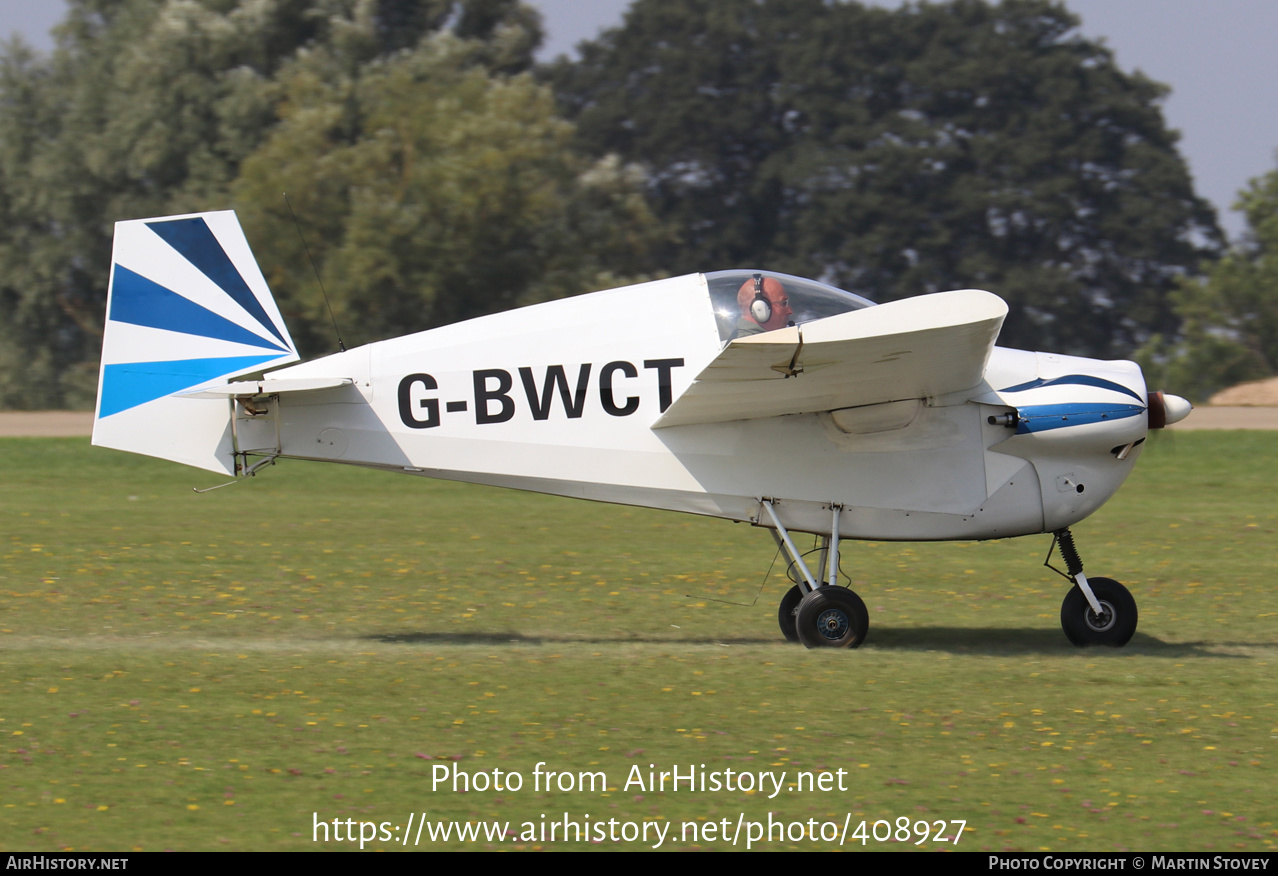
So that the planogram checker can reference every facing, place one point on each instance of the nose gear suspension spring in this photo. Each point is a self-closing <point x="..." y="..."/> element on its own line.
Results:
<point x="1073" y="562"/>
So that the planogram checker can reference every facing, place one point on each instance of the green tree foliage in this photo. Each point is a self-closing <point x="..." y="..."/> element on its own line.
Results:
<point x="30" y="258"/>
<point x="430" y="192"/>
<point x="896" y="152"/>
<point x="1247" y="278"/>
<point x="151" y="107"/>
<point x="1229" y="319"/>
<point x="145" y="108"/>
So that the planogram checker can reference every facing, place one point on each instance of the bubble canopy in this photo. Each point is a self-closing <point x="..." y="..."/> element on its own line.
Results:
<point x="809" y="299"/>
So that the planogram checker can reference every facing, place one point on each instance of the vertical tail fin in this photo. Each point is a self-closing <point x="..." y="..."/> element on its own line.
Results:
<point x="187" y="308"/>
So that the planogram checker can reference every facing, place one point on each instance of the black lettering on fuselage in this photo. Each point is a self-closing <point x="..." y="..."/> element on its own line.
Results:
<point x="430" y="405"/>
<point x="664" y="366"/>
<point x="493" y="402"/>
<point x="607" y="399"/>
<point x="555" y="377"/>
<point x="483" y="395"/>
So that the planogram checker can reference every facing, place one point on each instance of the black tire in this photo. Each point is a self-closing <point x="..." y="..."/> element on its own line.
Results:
<point x="832" y="617"/>
<point x="787" y="614"/>
<point x="1116" y="624"/>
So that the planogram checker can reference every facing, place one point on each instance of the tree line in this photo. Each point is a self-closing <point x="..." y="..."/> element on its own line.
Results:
<point x="438" y="173"/>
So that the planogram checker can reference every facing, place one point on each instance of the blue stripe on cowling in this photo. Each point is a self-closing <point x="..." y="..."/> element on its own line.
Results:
<point x="1042" y="418"/>
<point x="139" y="301"/>
<point x="198" y="245"/>
<point x="128" y="385"/>
<point x="1077" y="379"/>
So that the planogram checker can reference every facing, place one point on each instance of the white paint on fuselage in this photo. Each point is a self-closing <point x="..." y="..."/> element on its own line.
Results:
<point x="947" y="474"/>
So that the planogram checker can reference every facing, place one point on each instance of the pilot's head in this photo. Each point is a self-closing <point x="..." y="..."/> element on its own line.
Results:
<point x="763" y="300"/>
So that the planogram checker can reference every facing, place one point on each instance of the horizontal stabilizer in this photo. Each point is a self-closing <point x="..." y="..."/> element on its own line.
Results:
<point x="915" y="348"/>
<point x="269" y="386"/>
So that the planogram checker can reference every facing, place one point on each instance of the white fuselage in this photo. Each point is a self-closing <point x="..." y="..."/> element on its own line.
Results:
<point x="561" y="398"/>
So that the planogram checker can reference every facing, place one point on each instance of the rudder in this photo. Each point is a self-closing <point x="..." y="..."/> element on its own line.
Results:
<point x="187" y="308"/>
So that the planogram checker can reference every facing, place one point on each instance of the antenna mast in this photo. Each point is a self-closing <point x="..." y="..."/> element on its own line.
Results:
<point x="341" y="347"/>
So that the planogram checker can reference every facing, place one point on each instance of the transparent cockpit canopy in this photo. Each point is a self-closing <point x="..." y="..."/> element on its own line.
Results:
<point x="809" y="299"/>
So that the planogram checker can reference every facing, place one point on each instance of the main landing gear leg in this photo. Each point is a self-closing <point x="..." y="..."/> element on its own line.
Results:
<point x="1096" y="611"/>
<point x="820" y="615"/>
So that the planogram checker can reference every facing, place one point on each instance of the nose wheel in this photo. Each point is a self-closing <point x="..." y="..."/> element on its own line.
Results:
<point x="1096" y="611"/>
<point x="1113" y="625"/>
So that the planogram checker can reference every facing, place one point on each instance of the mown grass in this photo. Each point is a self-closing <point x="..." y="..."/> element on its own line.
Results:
<point x="208" y="671"/>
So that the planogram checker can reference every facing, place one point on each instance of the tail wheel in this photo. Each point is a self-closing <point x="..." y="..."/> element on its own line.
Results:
<point x="1113" y="626"/>
<point x="832" y="617"/>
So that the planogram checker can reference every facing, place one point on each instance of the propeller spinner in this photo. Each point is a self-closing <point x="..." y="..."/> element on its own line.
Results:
<point x="1166" y="409"/>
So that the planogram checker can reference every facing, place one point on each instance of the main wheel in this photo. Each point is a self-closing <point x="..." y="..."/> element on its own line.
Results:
<point x="786" y="614"/>
<point x="832" y="617"/>
<point x="1115" y="624"/>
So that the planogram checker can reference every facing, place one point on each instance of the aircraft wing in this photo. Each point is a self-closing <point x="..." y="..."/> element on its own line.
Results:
<point x="914" y="348"/>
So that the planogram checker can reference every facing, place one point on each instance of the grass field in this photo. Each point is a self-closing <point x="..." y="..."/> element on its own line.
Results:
<point x="219" y="671"/>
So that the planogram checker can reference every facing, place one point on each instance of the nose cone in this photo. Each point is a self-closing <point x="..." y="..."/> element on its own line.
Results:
<point x="1166" y="409"/>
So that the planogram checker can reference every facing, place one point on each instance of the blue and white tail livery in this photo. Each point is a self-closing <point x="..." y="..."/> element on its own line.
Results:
<point x="187" y="308"/>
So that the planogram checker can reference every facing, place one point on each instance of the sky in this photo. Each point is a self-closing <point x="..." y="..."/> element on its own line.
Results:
<point x="1216" y="55"/>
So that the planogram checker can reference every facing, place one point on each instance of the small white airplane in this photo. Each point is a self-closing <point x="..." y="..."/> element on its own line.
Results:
<point x="747" y="395"/>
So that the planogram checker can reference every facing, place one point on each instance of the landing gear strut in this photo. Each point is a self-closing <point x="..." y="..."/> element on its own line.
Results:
<point x="815" y="612"/>
<point x="1099" y="611"/>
